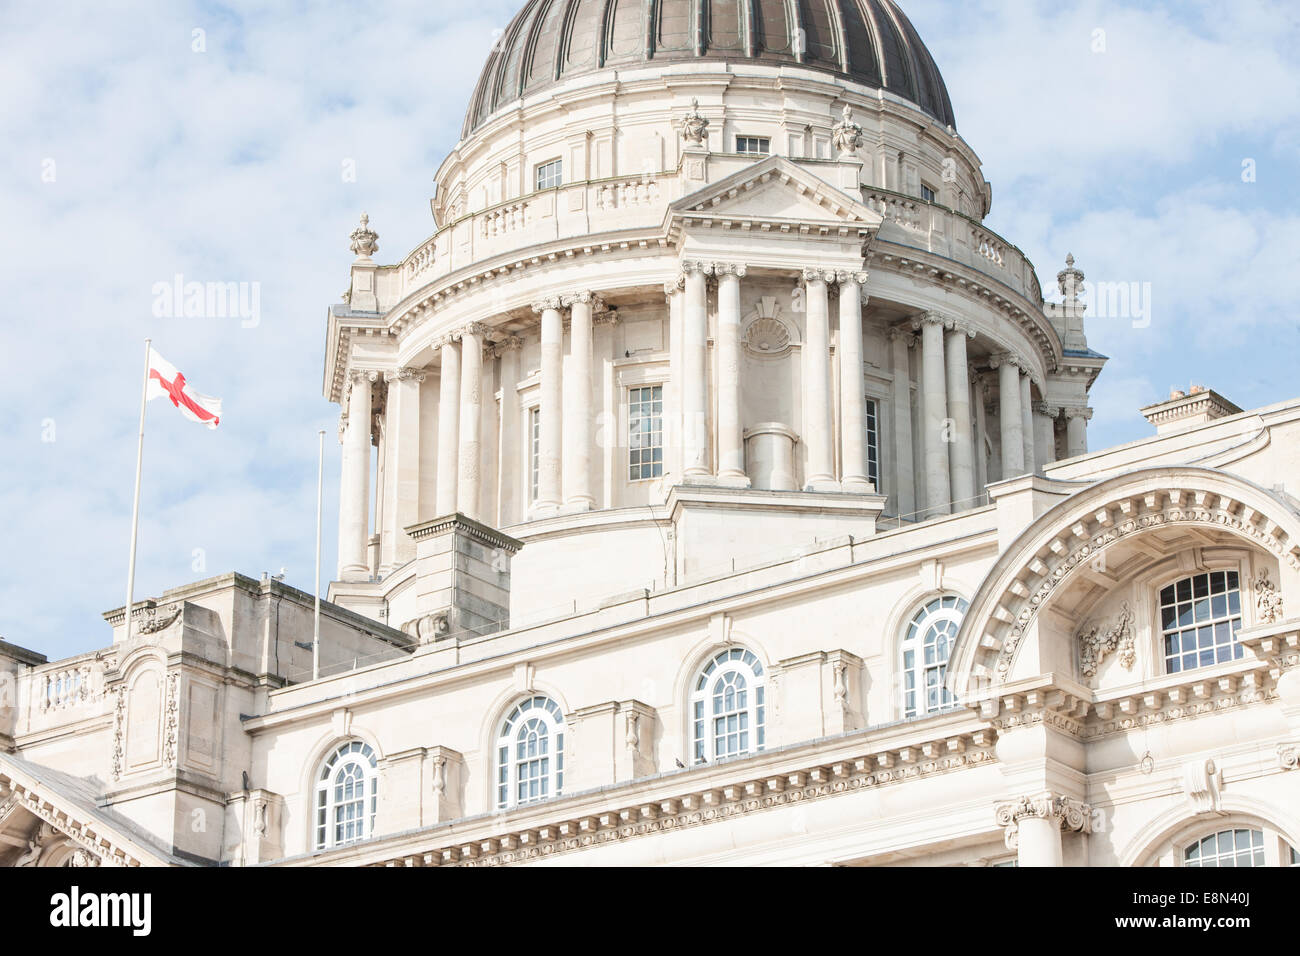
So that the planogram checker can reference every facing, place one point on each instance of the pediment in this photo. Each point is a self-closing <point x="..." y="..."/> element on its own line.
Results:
<point x="48" y="818"/>
<point x="776" y="195"/>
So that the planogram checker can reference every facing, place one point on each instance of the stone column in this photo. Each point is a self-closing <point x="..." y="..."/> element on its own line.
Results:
<point x="470" y="456"/>
<point x="731" y="442"/>
<point x="676" y="300"/>
<point x="695" y="371"/>
<point x="979" y="393"/>
<point x="1027" y="423"/>
<point x="354" y="484"/>
<point x="853" y="396"/>
<point x="817" y="429"/>
<point x="448" y="426"/>
<point x="1076" y="431"/>
<point x="901" y="341"/>
<point x="508" y="508"/>
<point x="577" y="408"/>
<point x="935" y="428"/>
<point x="1045" y="433"/>
<point x="1009" y="415"/>
<point x="402" y="498"/>
<point x="551" y="410"/>
<point x="1032" y="826"/>
<point x="962" y="448"/>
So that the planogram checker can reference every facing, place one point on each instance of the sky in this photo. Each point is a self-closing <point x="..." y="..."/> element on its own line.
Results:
<point x="1156" y="141"/>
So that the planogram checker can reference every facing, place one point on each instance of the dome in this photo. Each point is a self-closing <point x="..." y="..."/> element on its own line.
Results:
<point x="869" y="42"/>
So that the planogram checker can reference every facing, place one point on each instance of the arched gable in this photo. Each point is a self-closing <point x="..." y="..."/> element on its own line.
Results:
<point x="1082" y="528"/>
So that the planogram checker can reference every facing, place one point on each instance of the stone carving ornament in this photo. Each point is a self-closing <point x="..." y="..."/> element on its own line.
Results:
<point x="846" y="134"/>
<point x="1096" y="641"/>
<point x="1268" y="600"/>
<point x="695" y="126"/>
<point x="1069" y="815"/>
<point x="365" y="241"/>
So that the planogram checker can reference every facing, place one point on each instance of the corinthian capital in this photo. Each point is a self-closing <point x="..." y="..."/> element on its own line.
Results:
<point x="998" y="359"/>
<point x="511" y="343"/>
<point x="472" y="328"/>
<point x="960" y="326"/>
<point x="1084" y="413"/>
<point x="819" y="275"/>
<point x="929" y="318"/>
<point x="550" y="302"/>
<point x="405" y="375"/>
<point x="1066" y="813"/>
<point x="673" y="287"/>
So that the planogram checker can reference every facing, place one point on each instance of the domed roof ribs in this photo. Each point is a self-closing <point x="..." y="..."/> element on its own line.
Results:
<point x="877" y="39"/>
<point x="697" y="21"/>
<point x="749" y="28"/>
<point x="909" y="87"/>
<point x="841" y="36"/>
<point x="800" y="44"/>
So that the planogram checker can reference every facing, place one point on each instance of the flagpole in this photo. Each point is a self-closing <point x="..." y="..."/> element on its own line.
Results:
<point x="135" y="506"/>
<point x="320" y="491"/>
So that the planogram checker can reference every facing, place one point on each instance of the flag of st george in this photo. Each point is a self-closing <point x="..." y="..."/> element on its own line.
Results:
<point x="166" y="380"/>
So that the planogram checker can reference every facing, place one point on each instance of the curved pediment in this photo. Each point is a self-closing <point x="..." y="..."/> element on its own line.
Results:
<point x="1193" y="506"/>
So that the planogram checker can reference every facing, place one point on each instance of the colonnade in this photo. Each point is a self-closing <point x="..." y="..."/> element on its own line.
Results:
<point x="689" y="313"/>
<point x="703" y="433"/>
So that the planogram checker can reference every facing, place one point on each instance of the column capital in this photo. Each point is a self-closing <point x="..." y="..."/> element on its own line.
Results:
<point x="405" y="375"/>
<point x="586" y="297"/>
<point x="1046" y="408"/>
<point x="1066" y="813"/>
<point x="548" y="303"/>
<point x="1084" y="413"/>
<point x="674" y="286"/>
<point x="929" y="318"/>
<point x="998" y="359"/>
<point x="737" y="269"/>
<point x="818" y="275"/>
<point x="903" y="332"/>
<point x="511" y="343"/>
<point x="692" y="266"/>
<point x="470" y="328"/>
<point x="959" y="327"/>
<point x="843" y="277"/>
<point x="363" y="374"/>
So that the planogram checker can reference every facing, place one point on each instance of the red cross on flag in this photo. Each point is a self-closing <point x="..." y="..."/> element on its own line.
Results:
<point x="166" y="381"/>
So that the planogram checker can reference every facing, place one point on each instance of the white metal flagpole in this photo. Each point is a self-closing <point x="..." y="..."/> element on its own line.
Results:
<point x="135" y="506"/>
<point x="320" y="491"/>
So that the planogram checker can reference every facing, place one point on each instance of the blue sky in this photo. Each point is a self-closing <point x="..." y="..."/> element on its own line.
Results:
<point x="136" y="150"/>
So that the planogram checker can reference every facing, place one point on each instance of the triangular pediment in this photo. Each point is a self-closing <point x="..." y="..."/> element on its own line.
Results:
<point x="48" y="818"/>
<point x="776" y="194"/>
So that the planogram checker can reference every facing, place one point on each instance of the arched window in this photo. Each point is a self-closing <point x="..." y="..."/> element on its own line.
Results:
<point x="1237" y="847"/>
<point x="1199" y="620"/>
<point x="927" y="643"/>
<point x="530" y="753"/>
<point x="728" y="706"/>
<point x="347" y="795"/>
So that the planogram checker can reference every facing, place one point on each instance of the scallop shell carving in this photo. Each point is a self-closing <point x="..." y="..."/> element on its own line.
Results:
<point x="767" y="337"/>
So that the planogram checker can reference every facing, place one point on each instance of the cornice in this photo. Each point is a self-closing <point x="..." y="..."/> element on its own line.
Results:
<point x="751" y="790"/>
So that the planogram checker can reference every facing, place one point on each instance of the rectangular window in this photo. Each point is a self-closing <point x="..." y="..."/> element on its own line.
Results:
<point x="645" y="414"/>
<point x="534" y="450"/>
<point x="873" y="443"/>
<point x="550" y="175"/>
<point x="757" y="145"/>
<point x="927" y="193"/>
<point x="1199" y="620"/>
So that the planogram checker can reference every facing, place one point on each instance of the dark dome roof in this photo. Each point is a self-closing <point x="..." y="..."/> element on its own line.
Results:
<point x="869" y="42"/>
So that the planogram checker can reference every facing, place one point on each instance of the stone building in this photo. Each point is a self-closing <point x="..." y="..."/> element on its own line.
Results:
<point x="715" y="489"/>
